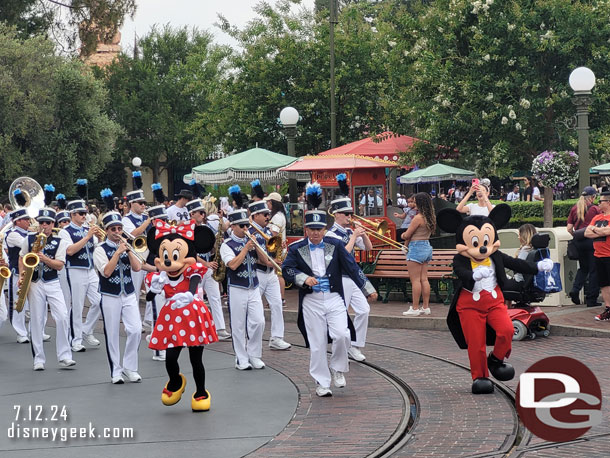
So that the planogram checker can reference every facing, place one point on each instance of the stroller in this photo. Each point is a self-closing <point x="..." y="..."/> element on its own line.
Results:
<point x="528" y="321"/>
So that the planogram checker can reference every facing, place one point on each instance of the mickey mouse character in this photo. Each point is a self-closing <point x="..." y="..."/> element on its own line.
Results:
<point x="477" y="313"/>
<point x="184" y="320"/>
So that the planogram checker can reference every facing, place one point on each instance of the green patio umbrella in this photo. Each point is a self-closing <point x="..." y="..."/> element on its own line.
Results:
<point x="243" y="167"/>
<point x="602" y="169"/>
<point x="436" y="173"/>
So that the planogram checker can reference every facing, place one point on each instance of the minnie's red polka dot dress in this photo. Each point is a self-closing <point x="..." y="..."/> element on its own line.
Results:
<point x="187" y="326"/>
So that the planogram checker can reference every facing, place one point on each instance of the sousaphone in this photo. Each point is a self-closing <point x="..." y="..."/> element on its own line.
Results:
<point x="34" y="198"/>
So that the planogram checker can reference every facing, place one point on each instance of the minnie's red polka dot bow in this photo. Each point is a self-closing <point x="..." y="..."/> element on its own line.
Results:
<point x="186" y="230"/>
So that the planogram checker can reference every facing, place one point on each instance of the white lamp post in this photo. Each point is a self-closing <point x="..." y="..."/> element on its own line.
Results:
<point x="289" y="117"/>
<point x="136" y="162"/>
<point x="582" y="80"/>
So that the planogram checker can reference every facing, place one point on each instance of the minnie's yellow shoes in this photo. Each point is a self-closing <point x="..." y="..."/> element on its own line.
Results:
<point x="201" y="404"/>
<point x="169" y="398"/>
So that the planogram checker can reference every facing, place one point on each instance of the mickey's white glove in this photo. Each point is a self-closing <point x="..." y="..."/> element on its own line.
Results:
<point x="158" y="282"/>
<point x="182" y="300"/>
<point x="545" y="265"/>
<point x="481" y="273"/>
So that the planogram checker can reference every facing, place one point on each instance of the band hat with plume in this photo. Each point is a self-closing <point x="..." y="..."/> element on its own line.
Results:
<point x="195" y="205"/>
<point x="236" y="195"/>
<point x="239" y="216"/>
<point x="157" y="190"/>
<point x="257" y="189"/>
<point x="81" y="188"/>
<point x="157" y="212"/>
<point x="46" y="214"/>
<point x="18" y="214"/>
<point x="75" y="206"/>
<point x="62" y="216"/>
<point x="111" y="217"/>
<point x="49" y="191"/>
<point x="61" y="201"/>
<point x="136" y="179"/>
<point x="136" y="196"/>
<point x="260" y="206"/>
<point x="343" y="204"/>
<point x="314" y="218"/>
<point x="197" y="189"/>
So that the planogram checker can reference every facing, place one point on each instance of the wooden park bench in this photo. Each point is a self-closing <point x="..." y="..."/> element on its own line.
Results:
<point x="389" y="272"/>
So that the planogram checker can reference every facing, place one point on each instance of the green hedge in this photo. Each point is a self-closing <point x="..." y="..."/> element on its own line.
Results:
<point x="525" y="210"/>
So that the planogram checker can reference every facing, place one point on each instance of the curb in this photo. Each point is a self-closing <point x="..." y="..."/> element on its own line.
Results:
<point x="439" y="324"/>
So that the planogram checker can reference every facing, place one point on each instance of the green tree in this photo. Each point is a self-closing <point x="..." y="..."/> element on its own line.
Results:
<point x="53" y="125"/>
<point x="157" y="96"/>
<point x="490" y="78"/>
<point x="284" y="61"/>
<point x="25" y="16"/>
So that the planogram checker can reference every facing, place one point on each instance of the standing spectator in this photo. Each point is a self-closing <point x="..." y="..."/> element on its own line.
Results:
<point x="371" y="203"/>
<point x="580" y="217"/>
<point x="483" y="205"/>
<point x="420" y="253"/>
<point x="407" y="216"/>
<point x="599" y="230"/>
<point x="459" y="194"/>
<point x="513" y="196"/>
<point x="532" y="192"/>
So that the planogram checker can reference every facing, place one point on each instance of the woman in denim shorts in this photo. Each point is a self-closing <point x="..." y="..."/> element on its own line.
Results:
<point x="420" y="253"/>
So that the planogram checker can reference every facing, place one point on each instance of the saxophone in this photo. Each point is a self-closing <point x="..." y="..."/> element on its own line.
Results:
<point x="220" y="272"/>
<point x="30" y="262"/>
<point x="5" y="272"/>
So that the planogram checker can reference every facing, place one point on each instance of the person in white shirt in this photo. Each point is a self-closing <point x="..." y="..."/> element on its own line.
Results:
<point x="513" y="196"/>
<point x="371" y="204"/>
<point x="483" y="205"/>
<point x="178" y="212"/>
<point x="277" y="225"/>
<point x="45" y="287"/>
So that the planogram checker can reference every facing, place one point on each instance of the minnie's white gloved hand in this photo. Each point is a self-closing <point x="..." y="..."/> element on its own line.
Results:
<point x="545" y="265"/>
<point x="182" y="300"/>
<point x="158" y="282"/>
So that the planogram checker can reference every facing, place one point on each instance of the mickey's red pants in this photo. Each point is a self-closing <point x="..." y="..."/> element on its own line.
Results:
<point x="474" y="315"/>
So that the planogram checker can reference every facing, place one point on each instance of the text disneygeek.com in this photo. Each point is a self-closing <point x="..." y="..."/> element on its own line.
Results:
<point x="29" y="424"/>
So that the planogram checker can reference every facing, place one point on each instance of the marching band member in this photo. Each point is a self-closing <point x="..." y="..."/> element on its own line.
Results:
<point x="12" y="244"/>
<point x="245" y="304"/>
<point x="208" y="284"/>
<point x="277" y="225"/>
<point x="44" y="288"/>
<point x="82" y="279"/>
<point x="316" y="265"/>
<point x="114" y="262"/>
<point x="268" y="282"/>
<point x="136" y="224"/>
<point x="3" y="309"/>
<point x="62" y="219"/>
<point x="178" y="211"/>
<point x="342" y="210"/>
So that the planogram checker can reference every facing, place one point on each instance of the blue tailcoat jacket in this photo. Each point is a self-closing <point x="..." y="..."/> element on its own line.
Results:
<point x="297" y="267"/>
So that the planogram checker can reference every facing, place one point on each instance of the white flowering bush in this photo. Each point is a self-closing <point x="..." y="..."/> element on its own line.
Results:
<point x="556" y="169"/>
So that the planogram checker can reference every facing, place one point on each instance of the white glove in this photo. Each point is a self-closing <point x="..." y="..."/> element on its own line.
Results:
<point x="481" y="273"/>
<point x="545" y="265"/>
<point x="158" y="282"/>
<point x="182" y="300"/>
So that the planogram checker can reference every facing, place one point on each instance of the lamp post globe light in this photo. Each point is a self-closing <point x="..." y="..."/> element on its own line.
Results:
<point x="582" y="80"/>
<point x="136" y="162"/>
<point x="289" y="117"/>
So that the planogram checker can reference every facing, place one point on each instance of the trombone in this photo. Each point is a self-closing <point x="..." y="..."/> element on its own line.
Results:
<point x="376" y="230"/>
<point x="272" y="242"/>
<point x="261" y="249"/>
<point x="136" y="245"/>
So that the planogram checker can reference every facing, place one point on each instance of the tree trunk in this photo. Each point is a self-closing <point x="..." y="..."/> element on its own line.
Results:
<point x="548" y="207"/>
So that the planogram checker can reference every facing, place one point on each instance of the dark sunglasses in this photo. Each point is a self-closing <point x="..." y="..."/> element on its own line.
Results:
<point x="602" y="200"/>
<point x="45" y="222"/>
<point x="81" y="213"/>
<point x="243" y="226"/>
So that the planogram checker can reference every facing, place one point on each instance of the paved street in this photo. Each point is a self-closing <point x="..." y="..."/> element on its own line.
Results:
<point x="411" y="398"/>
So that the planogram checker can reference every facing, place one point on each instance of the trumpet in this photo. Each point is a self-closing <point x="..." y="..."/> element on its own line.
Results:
<point x="273" y="243"/>
<point x="275" y="265"/>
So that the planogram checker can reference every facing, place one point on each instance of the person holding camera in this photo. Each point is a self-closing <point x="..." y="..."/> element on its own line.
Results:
<point x="482" y="207"/>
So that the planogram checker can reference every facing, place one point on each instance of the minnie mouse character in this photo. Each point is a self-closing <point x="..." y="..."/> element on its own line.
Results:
<point x="477" y="313"/>
<point x="184" y="320"/>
